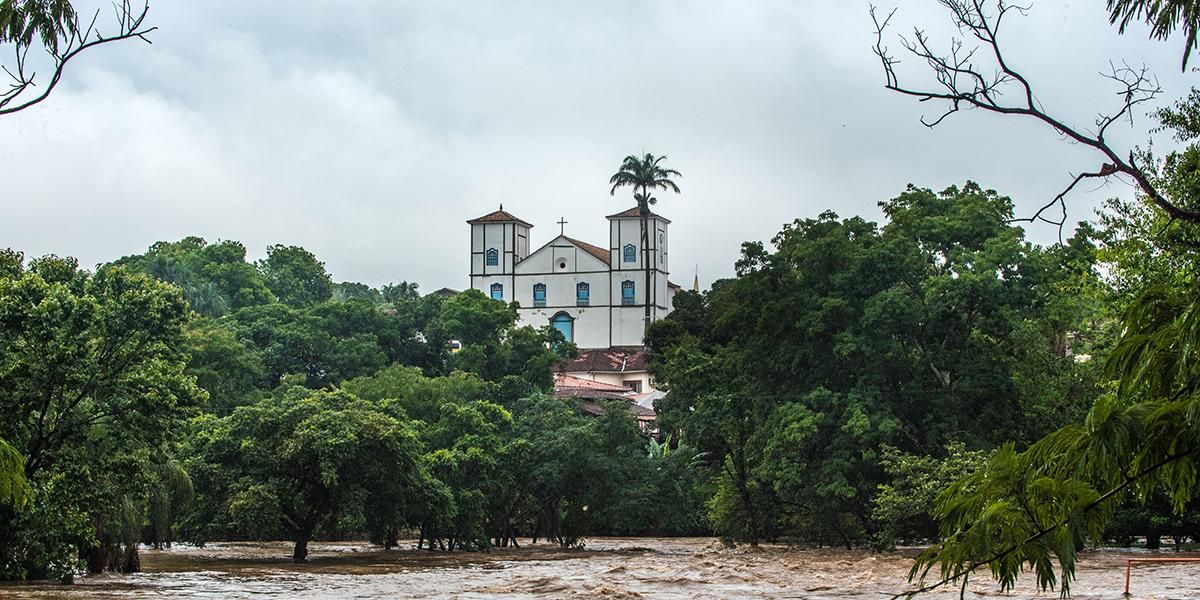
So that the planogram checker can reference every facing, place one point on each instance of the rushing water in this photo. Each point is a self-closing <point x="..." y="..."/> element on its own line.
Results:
<point x="608" y="568"/>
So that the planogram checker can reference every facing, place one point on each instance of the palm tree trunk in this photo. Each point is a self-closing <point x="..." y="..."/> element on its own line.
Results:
<point x="644" y="213"/>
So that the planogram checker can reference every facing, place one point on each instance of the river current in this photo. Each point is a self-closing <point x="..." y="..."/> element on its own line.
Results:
<point x="607" y="568"/>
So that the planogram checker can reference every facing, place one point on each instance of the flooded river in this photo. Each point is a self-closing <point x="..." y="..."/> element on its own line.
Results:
<point x="608" y="568"/>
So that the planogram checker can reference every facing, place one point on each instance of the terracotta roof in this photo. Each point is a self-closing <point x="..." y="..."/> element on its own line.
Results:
<point x="605" y="360"/>
<point x="569" y="386"/>
<point x="500" y="216"/>
<point x="639" y="412"/>
<point x="594" y="250"/>
<point x="633" y="213"/>
<point x="642" y="412"/>
<point x="446" y="292"/>
<point x="564" y="380"/>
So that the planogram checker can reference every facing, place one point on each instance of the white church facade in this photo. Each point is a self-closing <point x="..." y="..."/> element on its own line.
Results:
<point x="596" y="295"/>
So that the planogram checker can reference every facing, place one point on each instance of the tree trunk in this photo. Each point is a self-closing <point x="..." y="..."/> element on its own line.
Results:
<point x="744" y="489"/>
<point x="300" y="553"/>
<point x="133" y="562"/>
<point x="644" y="213"/>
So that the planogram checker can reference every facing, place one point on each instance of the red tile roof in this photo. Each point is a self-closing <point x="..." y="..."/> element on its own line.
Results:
<point x="641" y="413"/>
<point x="596" y="251"/>
<point x="569" y="386"/>
<point x="564" y="380"/>
<point x="634" y="213"/>
<point x="500" y="216"/>
<point x="605" y="360"/>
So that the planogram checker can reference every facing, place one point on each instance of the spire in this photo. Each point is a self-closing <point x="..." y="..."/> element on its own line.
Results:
<point x="696" y="280"/>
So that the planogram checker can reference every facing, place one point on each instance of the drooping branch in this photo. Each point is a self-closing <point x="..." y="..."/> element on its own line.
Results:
<point x="981" y="77"/>
<point x="1110" y="494"/>
<point x="76" y="37"/>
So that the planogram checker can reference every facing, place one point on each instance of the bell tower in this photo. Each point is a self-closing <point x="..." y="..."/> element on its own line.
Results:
<point x="499" y="240"/>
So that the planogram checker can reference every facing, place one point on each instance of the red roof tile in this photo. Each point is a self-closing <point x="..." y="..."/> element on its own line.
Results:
<point x="640" y="412"/>
<point x="605" y="360"/>
<point x="596" y="251"/>
<point x="564" y="380"/>
<point x="500" y="216"/>
<point x="634" y="213"/>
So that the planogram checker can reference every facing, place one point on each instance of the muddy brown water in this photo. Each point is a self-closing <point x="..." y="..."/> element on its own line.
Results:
<point x="608" y="568"/>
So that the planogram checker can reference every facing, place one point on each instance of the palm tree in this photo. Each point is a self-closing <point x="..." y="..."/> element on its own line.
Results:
<point x="644" y="175"/>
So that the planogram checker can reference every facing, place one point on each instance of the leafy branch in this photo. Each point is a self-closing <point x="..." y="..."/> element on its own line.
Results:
<point x="64" y="36"/>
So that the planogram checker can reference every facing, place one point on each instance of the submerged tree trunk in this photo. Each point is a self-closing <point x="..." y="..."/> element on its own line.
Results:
<point x="300" y="553"/>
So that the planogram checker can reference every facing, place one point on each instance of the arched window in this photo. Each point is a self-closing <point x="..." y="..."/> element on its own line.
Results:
<point x="583" y="294"/>
<point x="539" y="294"/>
<point x="493" y="257"/>
<point x="630" y="253"/>
<point x="497" y="291"/>
<point x="627" y="292"/>
<point x="564" y="323"/>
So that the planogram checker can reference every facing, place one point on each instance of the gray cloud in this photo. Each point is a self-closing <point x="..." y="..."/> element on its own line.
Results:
<point x="369" y="133"/>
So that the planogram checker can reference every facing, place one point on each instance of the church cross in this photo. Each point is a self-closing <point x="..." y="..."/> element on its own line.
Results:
<point x="562" y="225"/>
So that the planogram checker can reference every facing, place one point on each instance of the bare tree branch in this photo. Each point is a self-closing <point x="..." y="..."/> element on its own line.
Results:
<point x="961" y="82"/>
<point x="76" y="39"/>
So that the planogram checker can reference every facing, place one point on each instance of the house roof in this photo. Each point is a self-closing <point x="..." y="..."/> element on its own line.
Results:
<point x="597" y="251"/>
<point x="445" y="292"/>
<point x="569" y="386"/>
<point x="633" y="213"/>
<point x="564" y="380"/>
<point x="641" y="413"/>
<point x="500" y="216"/>
<point x="673" y="285"/>
<point x="606" y="360"/>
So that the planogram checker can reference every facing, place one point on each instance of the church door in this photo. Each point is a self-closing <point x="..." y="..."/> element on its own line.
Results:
<point x="564" y="323"/>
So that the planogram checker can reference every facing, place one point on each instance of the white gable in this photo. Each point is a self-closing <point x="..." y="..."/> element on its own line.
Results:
<point x="561" y="255"/>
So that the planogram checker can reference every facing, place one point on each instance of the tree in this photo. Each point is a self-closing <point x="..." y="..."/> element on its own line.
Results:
<point x="999" y="87"/>
<point x="1036" y="506"/>
<point x="295" y="276"/>
<point x="1163" y="16"/>
<point x="845" y="338"/>
<point x="215" y="278"/>
<point x="312" y="455"/>
<point x="56" y="28"/>
<point x="93" y="387"/>
<point x="644" y="175"/>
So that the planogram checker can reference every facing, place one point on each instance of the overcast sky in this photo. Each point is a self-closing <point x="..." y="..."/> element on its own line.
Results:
<point x="368" y="132"/>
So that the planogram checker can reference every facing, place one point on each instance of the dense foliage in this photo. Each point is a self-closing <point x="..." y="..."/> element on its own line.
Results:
<point x="848" y="374"/>
<point x="849" y="339"/>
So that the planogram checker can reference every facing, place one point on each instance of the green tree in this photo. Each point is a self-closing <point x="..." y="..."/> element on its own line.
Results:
<point x="290" y="463"/>
<point x="1164" y="17"/>
<point x="494" y="347"/>
<point x="644" y="174"/>
<point x="92" y="378"/>
<point x="56" y="27"/>
<point x="846" y="338"/>
<point x="295" y="276"/>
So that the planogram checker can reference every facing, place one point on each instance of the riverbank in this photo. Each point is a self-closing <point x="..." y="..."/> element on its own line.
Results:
<point x="608" y="568"/>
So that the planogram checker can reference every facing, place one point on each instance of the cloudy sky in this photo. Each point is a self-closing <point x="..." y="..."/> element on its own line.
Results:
<point x="368" y="132"/>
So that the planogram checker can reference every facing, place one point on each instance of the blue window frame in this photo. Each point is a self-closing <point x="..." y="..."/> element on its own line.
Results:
<point x="539" y="294"/>
<point x="627" y="292"/>
<point x="493" y="257"/>
<point x="564" y="323"/>
<point x="497" y="291"/>
<point x="583" y="294"/>
<point x="630" y="253"/>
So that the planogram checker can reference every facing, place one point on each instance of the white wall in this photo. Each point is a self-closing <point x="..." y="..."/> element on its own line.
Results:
<point x="561" y="265"/>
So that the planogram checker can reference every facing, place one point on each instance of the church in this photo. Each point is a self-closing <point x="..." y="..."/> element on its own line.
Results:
<point x="596" y="295"/>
